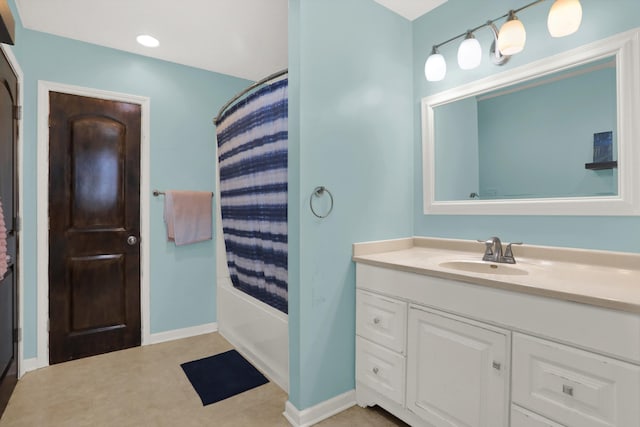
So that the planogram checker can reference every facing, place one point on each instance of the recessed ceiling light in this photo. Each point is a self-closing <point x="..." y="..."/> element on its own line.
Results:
<point x="147" y="40"/>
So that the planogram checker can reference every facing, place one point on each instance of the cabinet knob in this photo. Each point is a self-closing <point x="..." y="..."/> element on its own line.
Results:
<point x="376" y="321"/>
<point x="376" y="370"/>
<point x="567" y="389"/>
<point x="496" y="365"/>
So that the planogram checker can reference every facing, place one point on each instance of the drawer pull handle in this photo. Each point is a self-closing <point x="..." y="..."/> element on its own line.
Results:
<point x="376" y="321"/>
<point x="567" y="389"/>
<point x="496" y="365"/>
<point x="376" y="370"/>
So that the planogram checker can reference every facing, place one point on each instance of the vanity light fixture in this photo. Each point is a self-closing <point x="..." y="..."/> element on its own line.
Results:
<point x="147" y="40"/>
<point x="564" y="18"/>
<point x="436" y="67"/>
<point x="469" y="52"/>
<point x="512" y="36"/>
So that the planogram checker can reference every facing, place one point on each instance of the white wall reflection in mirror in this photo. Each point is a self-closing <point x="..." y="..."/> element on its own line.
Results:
<point x="523" y="141"/>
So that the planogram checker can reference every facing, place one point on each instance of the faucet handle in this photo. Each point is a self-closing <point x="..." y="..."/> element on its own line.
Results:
<point x="488" y="246"/>
<point x="508" y="252"/>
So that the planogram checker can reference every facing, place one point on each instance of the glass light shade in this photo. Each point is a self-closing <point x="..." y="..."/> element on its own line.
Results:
<point x="435" y="68"/>
<point x="512" y="37"/>
<point x="147" y="40"/>
<point x="469" y="53"/>
<point x="564" y="17"/>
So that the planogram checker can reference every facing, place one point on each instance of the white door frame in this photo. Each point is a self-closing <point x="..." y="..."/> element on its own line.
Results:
<point x="13" y="62"/>
<point x="44" y="87"/>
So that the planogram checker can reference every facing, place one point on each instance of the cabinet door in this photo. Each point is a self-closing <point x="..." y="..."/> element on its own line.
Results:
<point x="457" y="372"/>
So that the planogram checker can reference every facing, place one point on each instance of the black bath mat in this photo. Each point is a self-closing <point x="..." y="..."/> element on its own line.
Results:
<point x="221" y="376"/>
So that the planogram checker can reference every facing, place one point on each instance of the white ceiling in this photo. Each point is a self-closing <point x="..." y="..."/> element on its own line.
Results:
<point x="242" y="38"/>
<point x="411" y="9"/>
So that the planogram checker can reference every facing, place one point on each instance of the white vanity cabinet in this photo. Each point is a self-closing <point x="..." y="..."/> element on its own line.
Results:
<point x="438" y="352"/>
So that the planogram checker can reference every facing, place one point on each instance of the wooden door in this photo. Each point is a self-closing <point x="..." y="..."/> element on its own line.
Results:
<point x="9" y="196"/>
<point x="94" y="226"/>
<point x="457" y="373"/>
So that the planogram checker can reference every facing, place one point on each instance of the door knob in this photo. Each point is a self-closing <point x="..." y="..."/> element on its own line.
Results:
<point x="132" y="240"/>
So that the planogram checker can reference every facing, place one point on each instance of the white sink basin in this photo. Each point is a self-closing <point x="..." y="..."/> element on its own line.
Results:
<point x="484" y="267"/>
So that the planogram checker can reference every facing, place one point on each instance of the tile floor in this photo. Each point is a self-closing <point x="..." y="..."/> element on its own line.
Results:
<point x="145" y="386"/>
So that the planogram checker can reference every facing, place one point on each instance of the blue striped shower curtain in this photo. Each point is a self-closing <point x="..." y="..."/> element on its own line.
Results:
<point x="252" y="157"/>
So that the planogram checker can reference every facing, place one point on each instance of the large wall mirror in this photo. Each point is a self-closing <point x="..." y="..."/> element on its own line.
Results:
<point x="554" y="137"/>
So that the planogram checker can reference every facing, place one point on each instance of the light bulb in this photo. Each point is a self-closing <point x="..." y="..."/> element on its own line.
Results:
<point x="469" y="53"/>
<point x="435" y="68"/>
<point x="147" y="40"/>
<point x="564" y="17"/>
<point x="512" y="36"/>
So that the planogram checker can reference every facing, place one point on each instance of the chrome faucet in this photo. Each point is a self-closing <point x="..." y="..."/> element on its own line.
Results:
<point x="493" y="251"/>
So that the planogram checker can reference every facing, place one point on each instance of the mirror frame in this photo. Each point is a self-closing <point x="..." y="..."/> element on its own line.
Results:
<point x="626" y="49"/>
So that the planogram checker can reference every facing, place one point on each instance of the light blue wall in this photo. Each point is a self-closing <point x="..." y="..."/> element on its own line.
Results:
<point x="183" y="102"/>
<point x="600" y="19"/>
<point x="456" y="161"/>
<point x="548" y="132"/>
<point x="350" y="72"/>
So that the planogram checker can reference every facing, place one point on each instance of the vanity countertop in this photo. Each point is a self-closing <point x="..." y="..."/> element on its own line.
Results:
<point x="600" y="278"/>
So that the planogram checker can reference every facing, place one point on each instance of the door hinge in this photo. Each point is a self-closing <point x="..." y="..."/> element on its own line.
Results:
<point x="17" y="112"/>
<point x="48" y="325"/>
<point x="16" y="223"/>
<point x="17" y="334"/>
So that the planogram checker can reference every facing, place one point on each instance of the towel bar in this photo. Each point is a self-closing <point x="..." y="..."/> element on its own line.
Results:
<point x="318" y="192"/>
<point x="162" y="193"/>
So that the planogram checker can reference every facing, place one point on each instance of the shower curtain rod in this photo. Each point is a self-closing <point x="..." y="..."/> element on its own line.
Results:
<point x="275" y="75"/>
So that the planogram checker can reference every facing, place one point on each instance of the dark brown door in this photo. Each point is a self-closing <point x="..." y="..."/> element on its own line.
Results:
<point x="9" y="197"/>
<point x="94" y="226"/>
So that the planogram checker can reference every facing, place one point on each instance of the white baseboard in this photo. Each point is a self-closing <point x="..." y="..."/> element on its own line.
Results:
<point x="177" y="334"/>
<point x="29" y="365"/>
<point x="319" y="412"/>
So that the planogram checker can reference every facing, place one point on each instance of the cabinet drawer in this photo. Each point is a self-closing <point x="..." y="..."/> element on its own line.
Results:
<point x="575" y="387"/>
<point x="381" y="320"/>
<point x="522" y="418"/>
<point x="380" y="369"/>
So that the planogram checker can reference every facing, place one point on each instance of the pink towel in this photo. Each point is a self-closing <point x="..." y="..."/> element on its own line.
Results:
<point x="188" y="215"/>
<point x="3" y="244"/>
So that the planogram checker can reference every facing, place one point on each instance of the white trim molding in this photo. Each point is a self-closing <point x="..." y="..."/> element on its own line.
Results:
<point x="177" y="334"/>
<point x="625" y="47"/>
<point x="44" y="87"/>
<point x="29" y="365"/>
<point x="321" y="411"/>
<point x="15" y="66"/>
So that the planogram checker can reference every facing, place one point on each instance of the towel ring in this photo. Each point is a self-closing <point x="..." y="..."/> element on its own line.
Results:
<point x="318" y="192"/>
